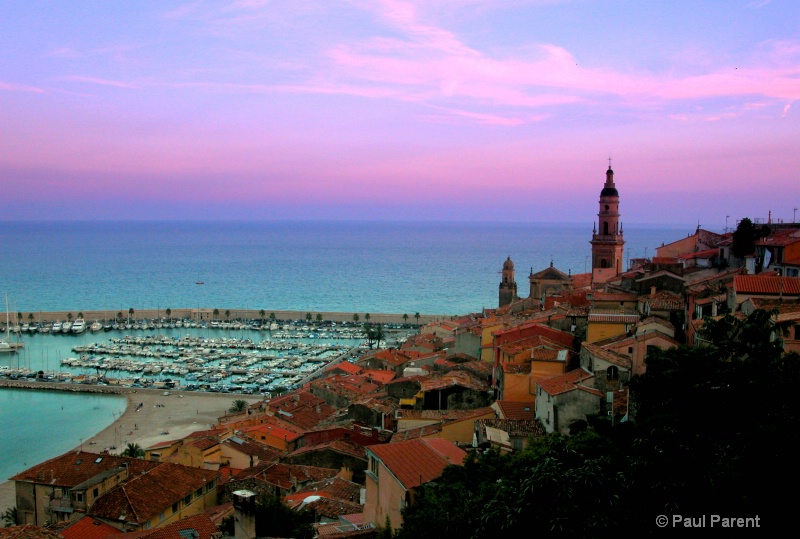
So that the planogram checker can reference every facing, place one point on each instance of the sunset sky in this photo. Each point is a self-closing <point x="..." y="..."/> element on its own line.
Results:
<point x="485" y="110"/>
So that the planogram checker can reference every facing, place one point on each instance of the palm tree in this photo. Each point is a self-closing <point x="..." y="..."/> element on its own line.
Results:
<point x="416" y="315"/>
<point x="30" y="317"/>
<point x="133" y="450"/>
<point x="271" y="317"/>
<point x="216" y="313"/>
<point x="366" y="317"/>
<point x="69" y="317"/>
<point x="308" y="317"/>
<point x="119" y="316"/>
<point x="19" y="318"/>
<point x="227" y="314"/>
<point x="405" y="318"/>
<point x="261" y="313"/>
<point x="130" y="314"/>
<point x="169" y="312"/>
<point x="319" y="318"/>
<point x="238" y="406"/>
<point x="10" y="517"/>
<point x="80" y="314"/>
<point x="355" y="317"/>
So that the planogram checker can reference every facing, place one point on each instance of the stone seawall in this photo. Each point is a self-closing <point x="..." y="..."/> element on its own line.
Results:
<point x="204" y="314"/>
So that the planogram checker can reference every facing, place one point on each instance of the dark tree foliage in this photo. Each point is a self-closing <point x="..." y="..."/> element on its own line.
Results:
<point x="714" y="432"/>
<point x="274" y="519"/>
<point x="745" y="237"/>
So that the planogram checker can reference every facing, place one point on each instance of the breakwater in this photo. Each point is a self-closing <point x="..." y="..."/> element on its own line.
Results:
<point x="201" y="314"/>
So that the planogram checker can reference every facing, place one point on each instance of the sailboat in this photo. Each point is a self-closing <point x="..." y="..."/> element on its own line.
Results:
<point x="6" y="346"/>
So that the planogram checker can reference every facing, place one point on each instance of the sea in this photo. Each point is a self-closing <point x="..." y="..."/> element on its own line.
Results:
<point x="440" y="268"/>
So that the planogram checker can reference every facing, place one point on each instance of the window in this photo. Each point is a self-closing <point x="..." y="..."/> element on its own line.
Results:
<point x="79" y="497"/>
<point x="198" y="493"/>
<point x="612" y="373"/>
<point x="175" y="507"/>
<point x="187" y="500"/>
<point x="95" y="492"/>
<point x="630" y="349"/>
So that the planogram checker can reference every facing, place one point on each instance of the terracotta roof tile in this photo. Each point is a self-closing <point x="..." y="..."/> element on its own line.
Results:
<point x="773" y="285"/>
<point x="607" y="355"/>
<point x="280" y="474"/>
<point x="88" y="528"/>
<point x="73" y="468"/>
<point x="515" y="427"/>
<point x="145" y="495"/>
<point x="565" y="382"/>
<point x="27" y="531"/>
<point x="340" y="446"/>
<point x="415" y="462"/>
<point x="515" y="410"/>
<point x="199" y="526"/>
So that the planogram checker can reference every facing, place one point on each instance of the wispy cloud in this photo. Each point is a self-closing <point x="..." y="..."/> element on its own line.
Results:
<point x="7" y="87"/>
<point x="101" y="82"/>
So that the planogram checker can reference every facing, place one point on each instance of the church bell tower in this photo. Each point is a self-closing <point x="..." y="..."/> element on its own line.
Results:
<point x="607" y="240"/>
<point x="508" y="286"/>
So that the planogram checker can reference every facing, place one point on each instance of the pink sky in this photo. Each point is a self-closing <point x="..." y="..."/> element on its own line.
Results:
<point x="366" y="109"/>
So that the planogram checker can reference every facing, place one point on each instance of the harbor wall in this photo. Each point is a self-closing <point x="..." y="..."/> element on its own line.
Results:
<point x="203" y="314"/>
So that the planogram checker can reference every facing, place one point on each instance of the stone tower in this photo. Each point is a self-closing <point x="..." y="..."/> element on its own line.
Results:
<point x="508" y="286"/>
<point x="607" y="241"/>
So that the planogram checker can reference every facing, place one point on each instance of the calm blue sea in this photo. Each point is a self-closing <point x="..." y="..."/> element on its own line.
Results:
<point x="431" y="268"/>
<point x="39" y="425"/>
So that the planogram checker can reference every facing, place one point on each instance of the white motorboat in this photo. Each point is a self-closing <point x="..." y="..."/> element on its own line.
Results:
<point x="78" y="326"/>
<point x="96" y="326"/>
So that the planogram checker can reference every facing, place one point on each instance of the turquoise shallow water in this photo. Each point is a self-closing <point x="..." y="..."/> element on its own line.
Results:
<point x="39" y="425"/>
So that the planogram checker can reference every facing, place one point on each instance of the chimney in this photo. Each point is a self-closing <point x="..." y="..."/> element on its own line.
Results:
<point x="652" y="290"/>
<point x="244" y="504"/>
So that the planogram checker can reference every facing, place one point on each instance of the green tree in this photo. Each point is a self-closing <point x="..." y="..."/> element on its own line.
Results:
<point x="319" y="318"/>
<point x="119" y="315"/>
<point x="69" y="317"/>
<point x="308" y="317"/>
<point x="238" y="406"/>
<point x="30" y="317"/>
<point x="261" y="313"/>
<point x="385" y="531"/>
<point x="745" y="237"/>
<point x="80" y="314"/>
<point x="227" y="314"/>
<point x="133" y="450"/>
<point x="416" y="316"/>
<point x="274" y="519"/>
<point x="355" y="317"/>
<point x="271" y="317"/>
<point x="10" y="517"/>
<point x="216" y="313"/>
<point x="405" y="318"/>
<point x="169" y="313"/>
<point x="130" y="314"/>
<point x="366" y="317"/>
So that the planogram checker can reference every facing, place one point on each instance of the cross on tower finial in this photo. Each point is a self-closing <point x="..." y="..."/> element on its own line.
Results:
<point x="609" y="161"/>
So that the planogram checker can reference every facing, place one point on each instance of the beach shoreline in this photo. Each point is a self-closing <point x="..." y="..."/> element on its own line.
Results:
<point x="150" y="417"/>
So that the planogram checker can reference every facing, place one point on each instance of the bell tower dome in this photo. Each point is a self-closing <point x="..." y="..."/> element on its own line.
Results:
<point x="607" y="239"/>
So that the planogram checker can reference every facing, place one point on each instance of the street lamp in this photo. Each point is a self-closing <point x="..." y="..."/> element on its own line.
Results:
<point x="726" y="222"/>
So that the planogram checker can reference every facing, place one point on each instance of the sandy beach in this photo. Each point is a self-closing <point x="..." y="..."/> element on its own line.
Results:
<point x="159" y="418"/>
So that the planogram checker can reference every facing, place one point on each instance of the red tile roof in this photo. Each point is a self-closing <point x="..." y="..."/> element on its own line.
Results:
<point x="88" y="528"/>
<point x="377" y="375"/>
<point x="772" y="285"/>
<point x="418" y="461"/>
<point x="565" y="382"/>
<point x="515" y="427"/>
<point x="73" y="468"/>
<point x="27" y="531"/>
<point x="199" y="526"/>
<point x="281" y="475"/>
<point x="345" y="447"/>
<point x="344" y="366"/>
<point x="145" y="495"/>
<point x="515" y="410"/>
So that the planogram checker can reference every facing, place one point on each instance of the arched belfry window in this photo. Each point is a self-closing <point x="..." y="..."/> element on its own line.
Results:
<point x="612" y="373"/>
<point x="605" y="228"/>
<point x="603" y="263"/>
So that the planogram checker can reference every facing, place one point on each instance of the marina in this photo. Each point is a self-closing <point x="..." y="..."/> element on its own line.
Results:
<point x="226" y="357"/>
